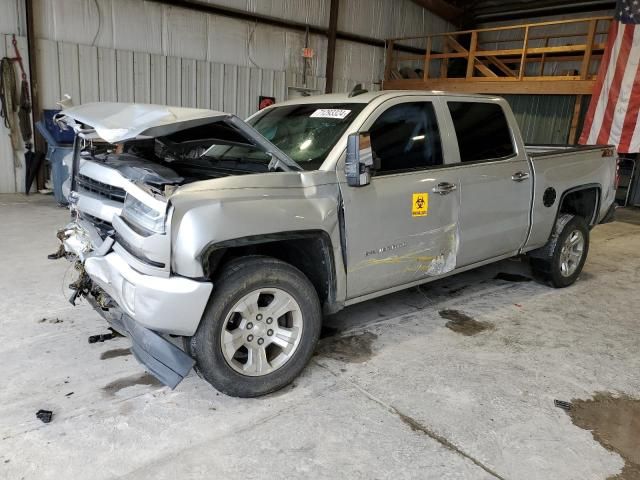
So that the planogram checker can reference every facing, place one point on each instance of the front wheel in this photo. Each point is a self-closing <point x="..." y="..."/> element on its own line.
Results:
<point x="259" y="329"/>
<point x="560" y="262"/>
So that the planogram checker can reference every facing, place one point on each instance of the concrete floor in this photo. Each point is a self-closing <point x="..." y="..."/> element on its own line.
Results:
<point x="392" y="393"/>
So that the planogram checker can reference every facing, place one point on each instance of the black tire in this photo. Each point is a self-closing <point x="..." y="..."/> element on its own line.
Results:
<point x="237" y="279"/>
<point x="546" y="261"/>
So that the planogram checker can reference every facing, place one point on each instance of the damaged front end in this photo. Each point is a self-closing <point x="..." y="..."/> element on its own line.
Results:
<point x="105" y="289"/>
<point x="128" y="160"/>
<point x="119" y="238"/>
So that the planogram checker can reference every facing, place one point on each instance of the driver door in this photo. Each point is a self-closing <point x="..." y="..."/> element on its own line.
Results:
<point x="403" y="226"/>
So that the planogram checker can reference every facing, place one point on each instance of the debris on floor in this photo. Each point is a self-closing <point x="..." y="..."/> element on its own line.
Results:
<point x="614" y="422"/>
<point x="562" y="404"/>
<point x="104" y="336"/>
<point x="58" y="254"/>
<point x="44" y="415"/>
<point x="462" y="323"/>
<point x="354" y="348"/>
<point x="50" y="320"/>
<point x="101" y="337"/>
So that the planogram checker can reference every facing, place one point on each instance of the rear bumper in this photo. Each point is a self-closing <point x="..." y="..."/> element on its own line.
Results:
<point x="160" y="357"/>
<point x="165" y="304"/>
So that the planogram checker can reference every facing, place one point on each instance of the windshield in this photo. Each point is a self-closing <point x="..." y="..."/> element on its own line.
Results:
<point x="306" y="133"/>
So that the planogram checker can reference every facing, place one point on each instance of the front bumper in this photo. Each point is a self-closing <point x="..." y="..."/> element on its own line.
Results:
<point x="137" y="305"/>
<point x="169" y="305"/>
<point x="161" y="358"/>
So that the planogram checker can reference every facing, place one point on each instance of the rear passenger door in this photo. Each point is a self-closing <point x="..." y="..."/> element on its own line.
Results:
<point x="402" y="227"/>
<point x="495" y="180"/>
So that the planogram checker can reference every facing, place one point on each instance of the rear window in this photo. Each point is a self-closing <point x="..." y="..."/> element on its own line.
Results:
<point x="482" y="130"/>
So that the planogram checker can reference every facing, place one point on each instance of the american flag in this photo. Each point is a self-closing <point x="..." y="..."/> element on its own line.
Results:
<point x="612" y="117"/>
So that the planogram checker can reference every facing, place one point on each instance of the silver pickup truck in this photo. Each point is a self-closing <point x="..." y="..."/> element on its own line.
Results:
<point x="238" y="236"/>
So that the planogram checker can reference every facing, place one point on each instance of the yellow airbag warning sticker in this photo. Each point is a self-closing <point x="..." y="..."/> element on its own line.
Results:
<point x="420" y="205"/>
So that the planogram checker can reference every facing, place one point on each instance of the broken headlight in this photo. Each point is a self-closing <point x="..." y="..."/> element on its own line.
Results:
<point x="143" y="215"/>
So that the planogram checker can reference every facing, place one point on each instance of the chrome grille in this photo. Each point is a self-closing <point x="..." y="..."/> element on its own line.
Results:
<point x="88" y="184"/>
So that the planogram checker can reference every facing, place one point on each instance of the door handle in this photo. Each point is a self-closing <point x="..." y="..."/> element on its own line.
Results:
<point x="520" y="176"/>
<point x="444" y="188"/>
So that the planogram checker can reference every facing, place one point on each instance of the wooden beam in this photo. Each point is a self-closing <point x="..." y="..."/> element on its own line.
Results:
<point x="541" y="37"/>
<point x="443" y="9"/>
<point x="516" y="53"/>
<point x="486" y="71"/>
<point x="444" y="64"/>
<point x="573" y="132"/>
<point x="586" y="61"/>
<point x="537" y="50"/>
<point x="445" y="56"/>
<point x="500" y="65"/>
<point x="523" y="60"/>
<point x="472" y="54"/>
<point x="497" y="86"/>
<point x="509" y="27"/>
<point x="544" y="57"/>
<point x="331" y="44"/>
<point x="427" y="60"/>
<point x="453" y="43"/>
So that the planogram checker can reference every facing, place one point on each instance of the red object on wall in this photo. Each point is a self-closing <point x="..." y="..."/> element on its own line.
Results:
<point x="265" y="102"/>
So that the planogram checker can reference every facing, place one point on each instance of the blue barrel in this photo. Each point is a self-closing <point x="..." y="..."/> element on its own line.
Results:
<point x="55" y="154"/>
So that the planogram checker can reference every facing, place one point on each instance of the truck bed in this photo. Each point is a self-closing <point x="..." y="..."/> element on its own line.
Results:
<point x="540" y="150"/>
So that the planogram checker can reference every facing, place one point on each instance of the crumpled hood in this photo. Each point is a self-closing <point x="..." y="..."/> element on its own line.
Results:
<point x="140" y="170"/>
<point x="118" y="122"/>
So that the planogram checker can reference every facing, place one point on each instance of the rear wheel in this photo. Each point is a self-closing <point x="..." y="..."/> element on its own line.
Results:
<point x="259" y="329"/>
<point x="560" y="262"/>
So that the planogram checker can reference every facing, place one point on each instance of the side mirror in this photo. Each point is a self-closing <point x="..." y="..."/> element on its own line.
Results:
<point x="359" y="162"/>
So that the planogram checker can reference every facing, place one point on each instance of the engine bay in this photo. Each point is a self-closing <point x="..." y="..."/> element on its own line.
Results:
<point x="186" y="156"/>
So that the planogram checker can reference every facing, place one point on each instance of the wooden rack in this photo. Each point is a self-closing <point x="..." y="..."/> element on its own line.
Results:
<point x="556" y="58"/>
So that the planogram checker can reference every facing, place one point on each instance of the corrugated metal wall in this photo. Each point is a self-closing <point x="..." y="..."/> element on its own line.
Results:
<point x="90" y="74"/>
<point x="382" y="19"/>
<point x="136" y="50"/>
<point x="543" y="118"/>
<point x="158" y="29"/>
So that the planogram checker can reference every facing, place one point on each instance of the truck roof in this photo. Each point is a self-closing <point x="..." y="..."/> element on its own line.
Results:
<point x="370" y="96"/>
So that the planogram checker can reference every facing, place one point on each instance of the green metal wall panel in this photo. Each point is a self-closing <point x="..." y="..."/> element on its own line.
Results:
<point x="543" y="118"/>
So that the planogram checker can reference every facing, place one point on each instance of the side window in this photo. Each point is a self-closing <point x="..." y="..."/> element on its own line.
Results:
<point x="482" y="130"/>
<point x="406" y="137"/>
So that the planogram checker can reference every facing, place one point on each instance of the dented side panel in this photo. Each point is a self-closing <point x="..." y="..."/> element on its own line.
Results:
<point x="392" y="241"/>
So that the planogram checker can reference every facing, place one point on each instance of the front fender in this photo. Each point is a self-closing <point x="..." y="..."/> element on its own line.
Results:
<point x="202" y="218"/>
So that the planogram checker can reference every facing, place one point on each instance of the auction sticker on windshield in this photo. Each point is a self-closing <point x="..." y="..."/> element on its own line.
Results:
<point x="330" y="113"/>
